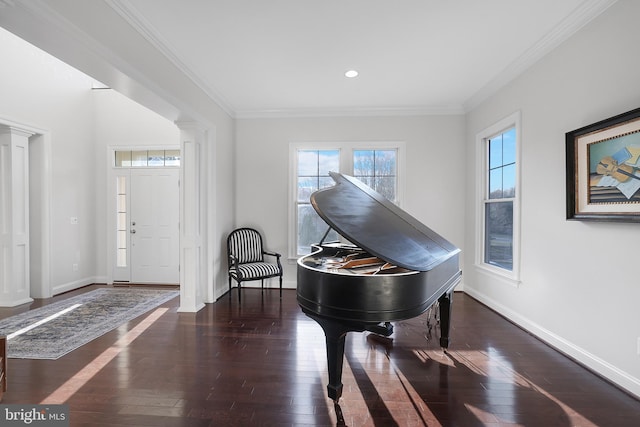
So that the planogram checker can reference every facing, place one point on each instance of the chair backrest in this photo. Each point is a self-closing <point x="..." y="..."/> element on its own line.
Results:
<point x="246" y="245"/>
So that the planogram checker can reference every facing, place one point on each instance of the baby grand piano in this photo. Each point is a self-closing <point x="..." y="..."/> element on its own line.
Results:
<point x="393" y="268"/>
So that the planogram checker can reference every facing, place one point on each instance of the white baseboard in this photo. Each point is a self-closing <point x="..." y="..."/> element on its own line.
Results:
<point x="601" y="367"/>
<point x="70" y="286"/>
<point x="16" y="303"/>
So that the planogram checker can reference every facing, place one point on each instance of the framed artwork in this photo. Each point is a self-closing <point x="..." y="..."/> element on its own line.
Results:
<point x="603" y="170"/>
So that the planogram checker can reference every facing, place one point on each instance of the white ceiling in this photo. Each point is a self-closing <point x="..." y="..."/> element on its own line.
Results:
<point x="288" y="57"/>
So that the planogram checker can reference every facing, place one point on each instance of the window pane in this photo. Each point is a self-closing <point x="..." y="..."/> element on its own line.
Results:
<point x="509" y="181"/>
<point x="306" y="186"/>
<point x="311" y="228"/>
<point x="121" y="258"/>
<point x="495" y="152"/>
<point x="121" y="183"/>
<point x="155" y="158"/>
<point x="387" y="187"/>
<point x="307" y="163"/>
<point x="369" y="181"/>
<point x="499" y="234"/>
<point x="138" y="158"/>
<point x="325" y="181"/>
<point x="121" y="203"/>
<point x="329" y="161"/>
<point x="172" y="158"/>
<point x="123" y="159"/>
<point x="121" y="239"/>
<point x="495" y="184"/>
<point x="385" y="162"/>
<point x="509" y="146"/>
<point x="363" y="163"/>
<point x="121" y="221"/>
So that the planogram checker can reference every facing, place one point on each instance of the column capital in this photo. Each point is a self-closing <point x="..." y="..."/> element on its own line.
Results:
<point x="15" y="130"/>
<point x="191" y="125"/>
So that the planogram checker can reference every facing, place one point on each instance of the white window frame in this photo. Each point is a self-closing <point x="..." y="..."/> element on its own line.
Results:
<point x="346" y="150"/>
<point x="511" y="277"/>
<point x="115" y="151"/>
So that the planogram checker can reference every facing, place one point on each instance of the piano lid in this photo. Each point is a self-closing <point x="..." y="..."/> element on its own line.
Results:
<point x="370" y="221"/>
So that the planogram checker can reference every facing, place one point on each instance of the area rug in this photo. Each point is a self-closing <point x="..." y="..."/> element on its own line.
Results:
<point x="54" y="330"/>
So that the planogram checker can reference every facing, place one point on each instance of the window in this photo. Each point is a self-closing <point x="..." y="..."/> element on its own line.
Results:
<point x="498" y="212"/>
<point x="375" y="164"/>
<point x="499" y="243"/>
<point x="121" y="221"/>
<point x="147" y="158"/>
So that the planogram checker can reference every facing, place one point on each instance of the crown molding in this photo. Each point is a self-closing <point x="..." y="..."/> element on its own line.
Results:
<point x="580" y="17"/>
<point x="349" y="112"/>
<point x="129" y="13"/>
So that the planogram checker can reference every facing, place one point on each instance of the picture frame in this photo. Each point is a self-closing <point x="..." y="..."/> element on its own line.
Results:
<point x="603" y="170"/>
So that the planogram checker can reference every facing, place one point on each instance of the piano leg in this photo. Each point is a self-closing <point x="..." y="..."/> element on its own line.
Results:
<point x="335" y="337"/>
<point x="445" y="304"/>
<point x="335" y="334"/>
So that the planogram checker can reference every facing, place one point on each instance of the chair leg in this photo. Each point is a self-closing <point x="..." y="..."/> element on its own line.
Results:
<point x="239" y="293"/>
<point x="280" y="287"/>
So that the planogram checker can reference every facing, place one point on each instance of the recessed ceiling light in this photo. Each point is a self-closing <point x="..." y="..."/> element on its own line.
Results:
<point x="351" y="74"/>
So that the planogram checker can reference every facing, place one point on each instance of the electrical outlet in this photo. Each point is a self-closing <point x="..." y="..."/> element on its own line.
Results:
<point x="74" y="267"/>
<point x="638" y="346"/>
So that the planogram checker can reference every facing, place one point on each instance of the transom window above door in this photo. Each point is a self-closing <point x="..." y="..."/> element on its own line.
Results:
<point x="146" y="158"/>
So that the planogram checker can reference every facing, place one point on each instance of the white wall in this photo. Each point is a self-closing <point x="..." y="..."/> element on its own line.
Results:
<point x="580" y="287"/>
<point x="40" y="91"/>
<point x="434" y="191"/>
<point x="222" y="202"/>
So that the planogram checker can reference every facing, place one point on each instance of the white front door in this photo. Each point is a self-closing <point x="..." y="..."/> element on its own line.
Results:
<point x="147" y="225"/>
<point x="154" y="225"/>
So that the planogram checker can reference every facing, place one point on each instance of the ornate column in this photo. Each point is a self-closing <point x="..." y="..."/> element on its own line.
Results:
<point x="14" y="216"/>
<point x="192" y="141"/>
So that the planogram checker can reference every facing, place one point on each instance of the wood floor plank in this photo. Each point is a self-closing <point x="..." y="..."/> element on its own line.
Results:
<point x="262" y="363"/>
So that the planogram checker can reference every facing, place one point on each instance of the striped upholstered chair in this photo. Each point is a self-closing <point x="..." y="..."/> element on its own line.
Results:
<point x="247" y="261"/>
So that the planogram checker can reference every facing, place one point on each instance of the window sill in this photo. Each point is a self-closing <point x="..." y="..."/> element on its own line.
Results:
<point x="506" y="277"/>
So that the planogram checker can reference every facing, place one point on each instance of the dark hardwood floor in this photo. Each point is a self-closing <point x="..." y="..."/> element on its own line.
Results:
<point x="263" y="363"/>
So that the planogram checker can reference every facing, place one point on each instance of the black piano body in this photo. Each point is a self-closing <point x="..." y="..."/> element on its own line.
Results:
<point x="392" y="268"/>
